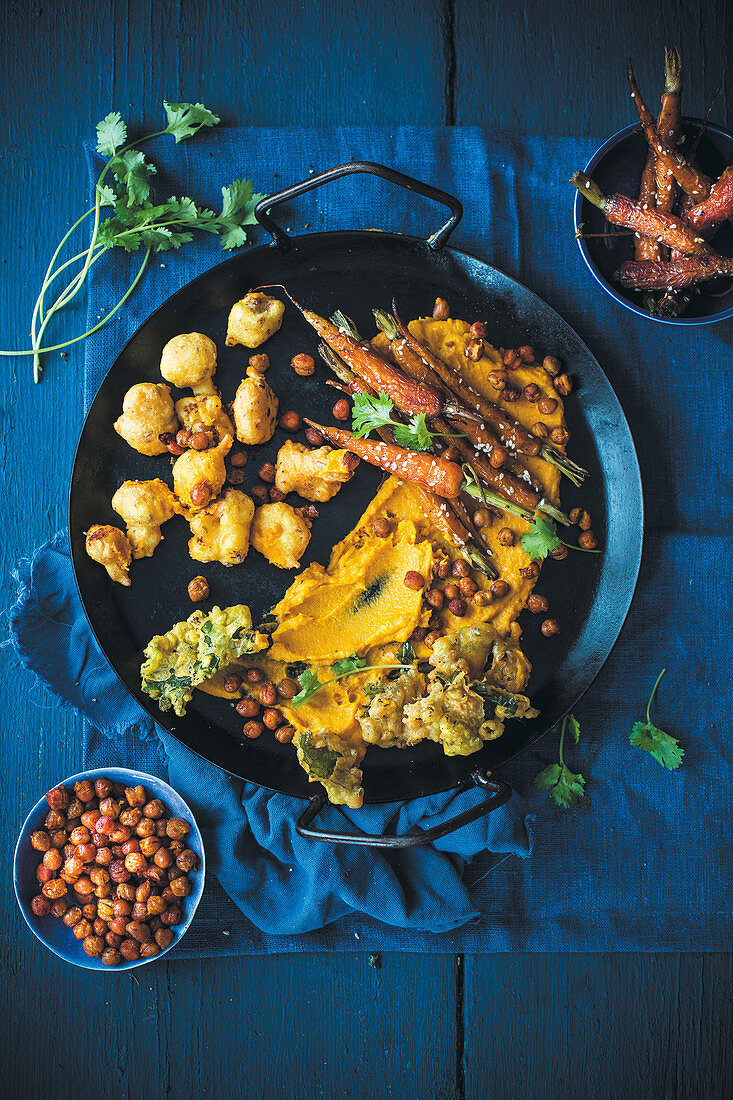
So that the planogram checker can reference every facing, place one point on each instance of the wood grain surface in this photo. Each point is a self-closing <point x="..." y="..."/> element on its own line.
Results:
<point x="315" y="1025"/>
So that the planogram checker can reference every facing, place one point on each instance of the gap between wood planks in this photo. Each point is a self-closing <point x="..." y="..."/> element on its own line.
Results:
<point x="448" y="28"/>
<point x="460" y="1029"/>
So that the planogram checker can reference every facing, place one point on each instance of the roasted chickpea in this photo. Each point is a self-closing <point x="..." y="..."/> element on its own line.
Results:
<point x="89" y="821"/>
<point x="58" y="798"/>
<point x="84" y="790"/>
<point x="505" y="537"/>
<point x="164" y="938"/>
<point x="540" y="430"/>
<point x="435" y="598"/>
<point x="89" y="910"/>
<point x="468" y="587"/>
<point x="53" y="859"/>
<point x="546" y="405"/>
<point x="181" y="886"/>
<point x="139" y="910"/>
<point x="43" y="874"/>
<point x="457" y="607"/>
<point x="136" y="796"/>
<point x="499" y="589"/>
<point x="414" y="580"/>
<point x="482" y="599"/>
<point x="587" y="540"/>
<point x="272" y="718"/>
<point x="285" y="734"/>
<point x="239" y="459"/>
<point x="537" y="604"/>
<point x="86" y="852"/>
<point x="560" y="436"/>
<point x="303" y="365"/>
<point x="474" y="349"/>
<point x="583" y="520"/>
<point x="54" y="889"/>
<point x="247" y="707"/>
<point x="286" y="689"/>
<point x="510" y="394"/>
<point x="255" y="675"/>
<point x="530" y="572"/>
<point x="72" y="916"/>
<point x="258" y="492"/>
<point x="267" y="473"/>
<point x="441" y="310"/>
<point x="144" y="828"/>
<point x="560" y="553"/>
<point x="99" y="927"/>
<point x="342" y="409"/>
<point x="54" y="820"/>
<point x="442" y="569"/>
<point x="149" y="846"/>
<point x="551" y="365"/>
<point x="117" y="871"/>
<point x="106" y="910"/>
<point x="130" y="817"/>
<point x="497" y="379"/>
<point x="253" y="730"/>
<point x="110" y="807"/>
<point x="432" y="637"/>
<point x="74" y="810"/>
<point x="138" y="930"/>
<point x="563" y="384"/>
<point x="460" y="568"/>
<point x="198" y="589"/>
<point x="121" y="834"/>
<point x="452" y="592"/>
<point x="80" y="835"/>
<point x="154" y="809"/>
<point x="82" y="928"/>
<point x="111" y="956"/>
<point x="130" y="950"/>
<point x="267" y="694"/>
<point x="40" y="840"/>
<point x="74" y="866"/>
<point x="155" y="906"/>
<point x="103" y="857"/>
<point x="172" y="916"/>
<point x="526" y="353"/>
<point x="112" y="939"/>
<point x="314" y="437"/>
<point x="156" y="874"/>
<point x="162" y="858"/>
<point x="232" y="683"/>
<point x="550" y="627"/>
<point x="149" y="950"/>
<point x="532" y="392"/>
<point x="40" y="906"/>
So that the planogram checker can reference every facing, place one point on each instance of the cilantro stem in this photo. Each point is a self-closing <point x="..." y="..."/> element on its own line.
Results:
<point x="562" y="740"/>
<point x="341" y="676"/>
<point x="651" y="697"/>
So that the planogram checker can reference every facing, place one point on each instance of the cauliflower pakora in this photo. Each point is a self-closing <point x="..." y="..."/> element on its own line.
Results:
<point x="147" y="413"/>
<point x="314" y="474"/>
<point x="189" y="362"/>
<point x="199" y="475"/>
<point x="110" y="547"/>
<point x="221" y="530"/>
<point x="208" y="411"/>
<point x="254" y="409"/>
<point x="254" y="319"/>
<point x="281" y="534"/>
<point x="144" y="506"/>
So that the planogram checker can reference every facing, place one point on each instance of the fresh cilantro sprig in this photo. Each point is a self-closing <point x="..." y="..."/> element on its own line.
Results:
<point x="564" y="787"/>
<point x="136" y="223"/>
<point x="370" y="412"/>
<point x="345" y="666"/>
<point x="543" y="538"/>
<point x="662" y="746"/>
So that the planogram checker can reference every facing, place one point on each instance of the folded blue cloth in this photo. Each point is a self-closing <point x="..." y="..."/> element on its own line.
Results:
<point x="643" y="862"/>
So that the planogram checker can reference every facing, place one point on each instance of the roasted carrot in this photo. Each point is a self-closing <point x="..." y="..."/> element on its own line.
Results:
<point x="668" y="128"/>
<point x="509" y="431"/>
<point x="645" y="248"/>
<point x="434" y="473"/>
<point x="691" y="180"/>
<point x="717" y="207"/>
<point x="675" y="275"/>
<point x="621" y="210"/>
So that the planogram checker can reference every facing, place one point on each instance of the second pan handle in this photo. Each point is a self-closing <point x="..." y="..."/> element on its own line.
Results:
<point x="281" y="238"/>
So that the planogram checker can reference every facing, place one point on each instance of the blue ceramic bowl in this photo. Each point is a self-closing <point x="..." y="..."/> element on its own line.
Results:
<point x="617" y="166"/>
<point x="52" y="931"/>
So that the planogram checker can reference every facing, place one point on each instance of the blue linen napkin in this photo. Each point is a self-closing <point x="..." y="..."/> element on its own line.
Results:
<point x="643" y="863"/>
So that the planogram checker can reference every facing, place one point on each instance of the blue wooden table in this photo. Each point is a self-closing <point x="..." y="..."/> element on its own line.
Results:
<point x="307" y="1025"/>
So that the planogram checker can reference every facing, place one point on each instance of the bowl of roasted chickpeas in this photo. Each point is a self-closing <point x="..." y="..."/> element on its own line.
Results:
<point x="109" y="869"/>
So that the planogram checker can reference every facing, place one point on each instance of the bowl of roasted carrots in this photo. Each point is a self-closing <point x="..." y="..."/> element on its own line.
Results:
<point x="654" y="209"/>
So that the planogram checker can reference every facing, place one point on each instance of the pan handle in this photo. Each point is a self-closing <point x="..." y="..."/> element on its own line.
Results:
<point x="499" y="793"/>
<point x="281" y="238"/>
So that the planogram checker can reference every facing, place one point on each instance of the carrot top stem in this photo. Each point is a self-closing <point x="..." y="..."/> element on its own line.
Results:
<point x="589" y="189"/>
<point x="672" y="70"/>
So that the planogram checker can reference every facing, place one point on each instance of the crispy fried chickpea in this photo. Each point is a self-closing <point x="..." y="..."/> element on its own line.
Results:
<point x="121" y="834"/>
<point x="530" y="572"/>
<point x="287" y="688"/>
<point x="499" y="589"/>
<point x="431" y="638"/>
<point x="58" y="798"/>
<point x="111" y="956"/>
<point x="43" y="874"/>
<point x="72" y="916"/>
<point x="138" y="930"/>
<point x="505" y="537"/>
<point x="560" y="436"/>
<point x="93" y="946"/>
<point x="457" y="607"/>
<point x="526" y="353"/>
<point x="40" y="840"/>
<point x="303" y="365"/>
<point x="75" y="809"/>
<point x="468" y="587"/>
<point x="154" y="809"/>
<point x="451" y="591"/>
<point x="89" y="820"/>
<point x="272" y="718"/>
<point x="54" y="820"/>
<point x="435" y="598"/>
<point x="59" y="839"/>
<point x="537" y="604"/>
<point x="560" y="553"/>
<point x="136" y="796"/>
<point x="441" y="310"/>
<point x="54" y="889"/>
<point x="112" y="939"/>
<point x="342" y="409"/>
<point x="563" y="384"/>
<point x="550" y="627"/>
<point x="285" y="734"/>
<point x="482" y="599"/>
<point x="181" y="886"/>
<point x="460" y="568"/>
<point x="53" y="859"/>
<point x="130" y="950"/>
<point x="583" y="519"/>
<point x="106" y="910"/>
<point x="414" y="580"/>
<point x="497" y="379"/>
<point x="59" y="907"/>
<point x="84" y="790"/>
<point x="551" y="365"/>
<point x="198" y="589"/>
<point x="540" y="430"/>
<point x="587" y="540"/>
<point x="163" y="858"/>
<point x="149" y="950"/>
<point x="510" y="359"/>
<point x="291" y="421"/>
<point x="247" y="707"/>
<point x="40" y="906"/>
<point x="156" y="905"/>
<point x="532" y="392"/>
<point x="139" y="910"/>
<point x="547" y="405"/>
<point x="164" y="938"/>
<point x="118" y="926"/>
<point x="117" y="871"/>
<point x="253" y="730"/>
<point x="510" y="394"/>
<point x="172" y="916"/>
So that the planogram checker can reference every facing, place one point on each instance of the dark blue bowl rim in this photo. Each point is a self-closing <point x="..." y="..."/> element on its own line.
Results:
<point x="192" y="901"/>
<point x="610" y="143"/>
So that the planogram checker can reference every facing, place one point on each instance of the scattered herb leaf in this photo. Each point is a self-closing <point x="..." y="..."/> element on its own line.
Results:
<point x="186" y="119"/>
<point x="111" y="134"/>
<point x="346" y="665"/>
<point x="370" y="412"/>
<point x="662" y="746"/>
<point x="414" y="434"/>
<point x="541" y="539"/>
<point x="564" y="787"/>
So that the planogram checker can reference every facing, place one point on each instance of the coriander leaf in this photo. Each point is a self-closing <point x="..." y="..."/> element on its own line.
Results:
<point x="406" y="654"/>
<point x="111" y="134"/>
<point x="309" y="685"/>
<point x="237" y="196"/>
<point x="540" y="539"/>
<point x="370" y="412"/>
<point x="415" y="434"/>
<point x="186" y="119"/>
<point x="135" y="172"/>
<point x="106" y="195"/>
<point x="574" y="727"/>
<point x="233" y="237"/>
<point x="237" y="210"/>
<point x="547" y="778"/>
<point x="346" y="665"/>
<point x="662" y="746"/>
<point x="564" y="787"/>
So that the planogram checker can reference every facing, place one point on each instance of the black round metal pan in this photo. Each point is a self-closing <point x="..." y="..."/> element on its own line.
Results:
<point x="355" y="271"/>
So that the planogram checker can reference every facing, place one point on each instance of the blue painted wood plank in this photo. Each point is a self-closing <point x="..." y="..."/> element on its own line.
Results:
<point x="553" y="68"/>
<point x="616" y="1025"/>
